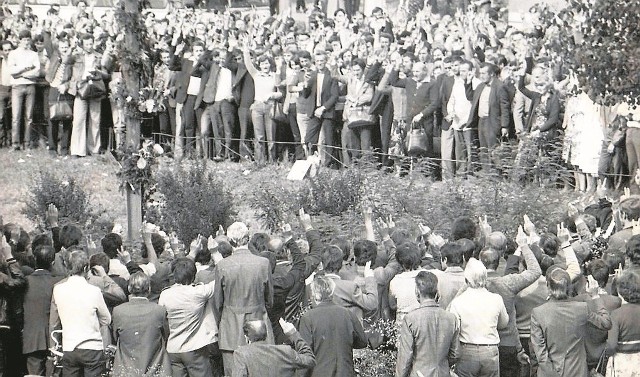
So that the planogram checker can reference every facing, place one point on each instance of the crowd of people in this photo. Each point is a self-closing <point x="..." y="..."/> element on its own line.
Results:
<point x="447" y="81"/>
<point x="563" y="301"/>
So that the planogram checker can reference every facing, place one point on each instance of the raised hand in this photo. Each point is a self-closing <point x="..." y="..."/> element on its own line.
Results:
<point x="424" y="229"/>
<point x="220" y="231"/>
<point x="91" y="245"/>
<point x="368" y="272"/>
<point x="124" y="255"/>
<point x="211" y="243"/>
<point x="529" y="227"/>
<point x="52" y="215"/>
<point x="485" y="228"/>
<point x="98" y="270"/>
<point x="521" y="237"/>
<point x="305" y="220"/>
<point x="636" y="227"/>
<point x="563" y="233"/>
<point x="383" y="227"/>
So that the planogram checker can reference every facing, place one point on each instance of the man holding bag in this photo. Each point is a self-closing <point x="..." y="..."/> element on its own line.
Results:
<point x="87" y="86"/>
<point x="58" y="75"/>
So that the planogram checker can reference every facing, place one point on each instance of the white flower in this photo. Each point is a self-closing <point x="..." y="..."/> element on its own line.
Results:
<point x="142" y="163"/>
<point x="157" y="148"/>
<point x="129" y="99"/>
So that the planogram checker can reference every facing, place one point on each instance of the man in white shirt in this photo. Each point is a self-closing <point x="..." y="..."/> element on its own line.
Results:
<point x="458" y="109"/>
<point x="24" y="67"/>
<point x="84" y="316"/>
<point x="479" y="339"/>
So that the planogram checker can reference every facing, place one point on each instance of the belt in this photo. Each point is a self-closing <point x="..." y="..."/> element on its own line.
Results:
<point x="478" y="345"/>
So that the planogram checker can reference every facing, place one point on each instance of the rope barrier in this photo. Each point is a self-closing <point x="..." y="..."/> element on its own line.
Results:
<point x="433" y="161"/>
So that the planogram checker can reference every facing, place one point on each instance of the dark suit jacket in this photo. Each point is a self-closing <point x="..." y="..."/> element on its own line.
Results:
<point x="243" y="87"/>
<point x="332" y="332"/>
<point x="558" y="329"/>
<point x="268" y="360"/>
<point x="36" y="304"/>
<point x="446" y="86"/>
<point x="427" y="341"/>
<point x="140" y="328"/>
<point x="499" y="106"/>
<point x="243" y="288"/>
<point x="421" y="97"/>
<point x="188" y="69"/>
<point x="328" y="95"/>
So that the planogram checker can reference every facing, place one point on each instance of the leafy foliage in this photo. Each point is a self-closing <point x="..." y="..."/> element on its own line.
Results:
<point x="332" y="192"/>
<point x="66" y="194"/>
<point x="191" y="200"/>
<point x="381" y="361"/>
<point x="600" y="41"/>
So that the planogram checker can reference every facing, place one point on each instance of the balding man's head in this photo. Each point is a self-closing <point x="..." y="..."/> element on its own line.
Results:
<point x="490" y="258"/>
<point x="255" y="330"/>
<point x="497" y="241"/>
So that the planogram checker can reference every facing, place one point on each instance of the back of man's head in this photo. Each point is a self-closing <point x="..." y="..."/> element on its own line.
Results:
<point x="332" y="259"/>
<point x="100" y="259"/>
<point x="255" y="330"/>
<point x="238" y="234"/>
<point x="497" y="241"/>
<point x="426" y="284"/>
<point x="558" y="282"/>
<point x="463" y="227"/>
<point x="78" y="262"/>
<point x="364" y="251"/>
<point x="184" y="271"/>
<point x="258" y="243"/>
<point x="322" y="288"/>
<point x="111" y="244"/>
<point x="70" y="235"/>
<point x="490" y="258"/>
<point x="452" y="254"/>
<point x="139" y="284"/>
<point x="44" y="256"/>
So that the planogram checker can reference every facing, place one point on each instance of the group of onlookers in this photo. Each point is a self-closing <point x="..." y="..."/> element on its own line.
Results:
<point x="451" y="83"/>
<point x="563" y="301"/>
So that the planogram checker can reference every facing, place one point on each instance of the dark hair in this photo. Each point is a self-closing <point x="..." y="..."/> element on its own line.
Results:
<point x="225" y="249"/>
<point x="332" y="259"/>
<point x="452" y="251"/>
<point x="258" y="243"/>
<point x="41" y="240"/>
<point x="559" y="282"/>
<point x="408" y="255"/>
<point x="44" y="256"/>
<point x="467" y="247"/>
<point x="111" y="243"/>
<point x="614" y="260"/>
<point x="343" y="244"/>
<point x="70" y="235"/>
<point x="203" y="257"/>
<point x="158" y="245"/>
<point x="492" y="68"/>
<point x="100" y="259"/>
<point x="633" y="249"/>
<point x="600" y="272"/>
<point x="546" y="262"/>
<point x="359" y="62"/>
<point x="184" y="271"/>
<point x="463" y="227"/>
<point x="629" y="286"/>
<point x="365" y="251"/>
<point x="550" y="244"/>
<point x="427" y="284"/>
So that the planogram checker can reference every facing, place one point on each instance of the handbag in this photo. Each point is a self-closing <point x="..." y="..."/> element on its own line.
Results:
<point x="416" y="141"/>
<point x="61" y="110"/>
<point x="279" y="117"/>
<point x="359" y="117"/>
<point x="91" y="89"/>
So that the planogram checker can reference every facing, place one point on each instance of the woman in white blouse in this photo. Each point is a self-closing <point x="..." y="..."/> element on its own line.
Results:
<point x="266" y="81"/>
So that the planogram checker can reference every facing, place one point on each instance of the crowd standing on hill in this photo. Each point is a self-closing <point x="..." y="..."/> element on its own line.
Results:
<point x="451" y="82"/>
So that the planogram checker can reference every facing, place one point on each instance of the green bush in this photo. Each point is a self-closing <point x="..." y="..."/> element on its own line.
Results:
<point x="332" y="192"/>
<point x="66" y="194"/>
<point x="191" y="200"/>
<point x="274" y="205"/>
